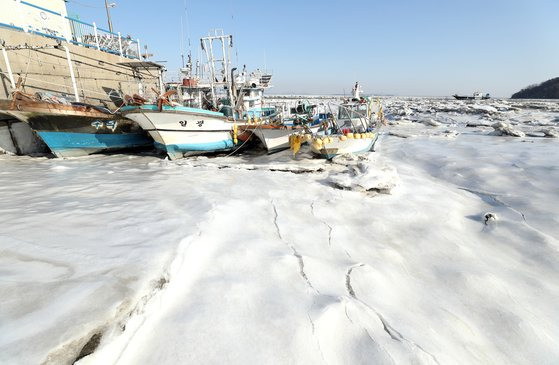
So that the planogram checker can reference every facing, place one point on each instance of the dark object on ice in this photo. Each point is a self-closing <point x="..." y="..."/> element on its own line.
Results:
<point x="90" y="346"/>
<point x="546" y="90"/>
<point x="477" y="96"/>
<point x="489" y="217"/>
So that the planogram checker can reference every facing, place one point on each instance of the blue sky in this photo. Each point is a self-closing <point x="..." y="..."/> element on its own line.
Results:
<point x="400" y="47"/>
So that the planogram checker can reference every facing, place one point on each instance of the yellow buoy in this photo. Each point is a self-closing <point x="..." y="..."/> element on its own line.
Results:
<point x="318" y="141"/>
<point x="357" y="135"/>
<point x="363" y="135"/>
<point x="308" y="137"/>
<point x="235" y="133"/>
<point x="343" y="138"/>
<point x="349" y="135"/>
<point x="295" y="143"/>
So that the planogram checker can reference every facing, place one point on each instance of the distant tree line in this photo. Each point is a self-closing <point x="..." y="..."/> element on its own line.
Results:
<point x="546" y="90"/>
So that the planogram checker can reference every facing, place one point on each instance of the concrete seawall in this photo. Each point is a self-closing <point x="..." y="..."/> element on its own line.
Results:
<point x="99" y="77"/>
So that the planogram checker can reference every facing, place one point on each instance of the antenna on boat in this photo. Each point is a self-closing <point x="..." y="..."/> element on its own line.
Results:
<point x="233" y="29"/>
<point x="187" y="32"/>
<point x="182" y="42"/>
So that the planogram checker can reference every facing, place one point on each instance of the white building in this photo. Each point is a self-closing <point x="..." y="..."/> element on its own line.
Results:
<point x="48" y="17"/>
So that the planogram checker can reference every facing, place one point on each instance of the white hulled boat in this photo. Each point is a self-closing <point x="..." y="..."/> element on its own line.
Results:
<point x="274" y="132"/>
<point x="192" y="117"/>
<point x="182" y="131"/>
<point x="355" y="130"/>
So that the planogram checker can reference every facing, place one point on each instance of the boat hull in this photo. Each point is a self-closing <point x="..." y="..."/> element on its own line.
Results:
<point x="463" y="97"/>
<point x="339" y="147"/>
<point x="71" y="131"/>
<point x="18" y="138"/>
<point x="273" y="138"/>
<point x="70" y="144"/>
<point x="79" y="135"/>
<point x="181" y="133"/>
<point x="276" y="138"/>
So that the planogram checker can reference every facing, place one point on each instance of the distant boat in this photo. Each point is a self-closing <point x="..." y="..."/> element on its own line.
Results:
<point x="477" y="96"/>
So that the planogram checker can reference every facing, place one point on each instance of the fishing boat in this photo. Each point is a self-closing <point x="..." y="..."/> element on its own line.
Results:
<point x="476" y="96"/>
<point x="339" y="144"/>
<point x="193" y="118"/>
<point x="58" y="95"/>
<point x="181" y="131"/>
<point x="75" y="129"/>
<point x="354" y="130"/>
<point x="248" y="89"/>
<point x="274" y="133"/>
<point x="274" y="137"/>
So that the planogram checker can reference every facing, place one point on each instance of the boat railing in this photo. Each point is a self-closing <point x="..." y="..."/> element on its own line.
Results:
<point x="82" y="33"/>
<point x="364" y="121"/>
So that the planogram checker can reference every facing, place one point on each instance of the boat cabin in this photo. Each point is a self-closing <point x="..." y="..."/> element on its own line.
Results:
<point x="353" y="111"/>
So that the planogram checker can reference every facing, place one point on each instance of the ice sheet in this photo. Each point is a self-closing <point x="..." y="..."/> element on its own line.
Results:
<point x="257" y="259"/>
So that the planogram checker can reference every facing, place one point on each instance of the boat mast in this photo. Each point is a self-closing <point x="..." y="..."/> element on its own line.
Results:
<point x="207" y="45"/>
<point x="226" y="63"/>
<point x="209" y="57"/>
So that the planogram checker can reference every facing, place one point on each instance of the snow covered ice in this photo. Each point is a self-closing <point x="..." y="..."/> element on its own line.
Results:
<point x="264" y="259"/>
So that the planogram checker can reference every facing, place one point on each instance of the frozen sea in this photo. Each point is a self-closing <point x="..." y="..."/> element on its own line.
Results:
<point x="441" y="247"/>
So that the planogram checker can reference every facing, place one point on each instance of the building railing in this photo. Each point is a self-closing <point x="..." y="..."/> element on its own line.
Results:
<point x="87" y="35"/>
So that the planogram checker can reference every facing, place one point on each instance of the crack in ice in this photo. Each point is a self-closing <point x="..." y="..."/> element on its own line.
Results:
<point x="487" y="197"/>
<point x="391" y="331"/>
<point x="368" y="334"/>
<point x="157" y="288"/>
<point x="297" y="170"/>
<point x="294" y="251"/>
<point x="325" y="223"/>
<point x="348" y="286"/>
<point x="315" y="337"/>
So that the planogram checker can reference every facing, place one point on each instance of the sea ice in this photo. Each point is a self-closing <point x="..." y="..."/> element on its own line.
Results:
<point x="504" y="129"/>
<point x="252" y="259"/>
<point x="365" y="173"/>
